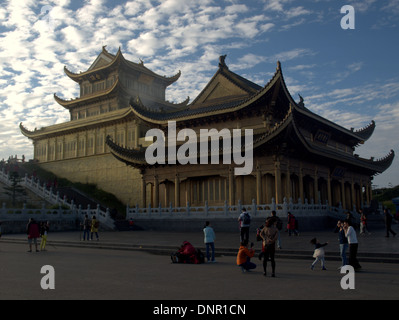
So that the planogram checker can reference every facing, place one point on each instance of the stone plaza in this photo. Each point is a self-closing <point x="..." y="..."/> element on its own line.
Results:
<point x="136" y="265"/>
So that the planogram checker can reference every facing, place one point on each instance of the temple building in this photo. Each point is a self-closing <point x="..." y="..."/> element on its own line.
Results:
<point x="297" y="154"/>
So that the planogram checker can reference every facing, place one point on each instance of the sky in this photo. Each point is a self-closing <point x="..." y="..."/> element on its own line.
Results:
<point x="349" y="76"/>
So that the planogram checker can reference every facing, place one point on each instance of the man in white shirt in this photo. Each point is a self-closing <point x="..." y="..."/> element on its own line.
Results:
<point x="350" y="233"/>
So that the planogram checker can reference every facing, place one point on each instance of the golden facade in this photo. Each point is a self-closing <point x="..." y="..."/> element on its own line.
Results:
<point x="298" y="155"/>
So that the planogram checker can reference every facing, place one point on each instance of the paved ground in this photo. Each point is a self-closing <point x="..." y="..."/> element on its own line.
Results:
<point x="122" y="270"/>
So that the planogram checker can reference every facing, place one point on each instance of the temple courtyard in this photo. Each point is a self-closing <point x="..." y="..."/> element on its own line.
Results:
<point x="136" y="265"/>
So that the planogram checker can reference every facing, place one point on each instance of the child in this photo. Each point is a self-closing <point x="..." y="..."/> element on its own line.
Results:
<point x="318" y="253"/>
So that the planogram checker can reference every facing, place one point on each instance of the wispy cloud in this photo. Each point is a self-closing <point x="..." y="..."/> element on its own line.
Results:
<point x="39" y="38"/>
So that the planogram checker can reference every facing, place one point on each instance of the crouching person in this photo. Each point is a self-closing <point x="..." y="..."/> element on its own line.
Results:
<point x="244" y="257"/>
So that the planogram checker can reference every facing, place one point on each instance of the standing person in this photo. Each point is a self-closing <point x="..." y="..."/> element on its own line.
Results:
<point x="94" y="227"/>
<point x="343" y="242"/>
<point x="86" y="228"/>
<point x="245" y="221"/>
<point x="388" y="223"/>
<point x="363" y="223"/>
<point x="350" y="234"/>
<point x="44" y="229"/>
<point x="244" y="256"/>
<point x="0" y="229"/>
<point x="291" y="225"/>
<point x="209" y="240"/>
<point x="269" y="234"/>
<point x="319" y="253"/>
<point x="279" y="226"/>
<point x="33" y="232"/>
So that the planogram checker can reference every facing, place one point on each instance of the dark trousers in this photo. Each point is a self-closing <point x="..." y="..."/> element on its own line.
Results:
<point x="248" y="265"/>
<point x="244" y="234"/>
<point x="269" y="252"/>
<point x="352" y="256"/>
<point x="389" y="230"/>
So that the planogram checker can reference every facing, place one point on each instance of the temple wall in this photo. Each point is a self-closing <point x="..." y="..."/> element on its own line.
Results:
<point x="105" y="171"/>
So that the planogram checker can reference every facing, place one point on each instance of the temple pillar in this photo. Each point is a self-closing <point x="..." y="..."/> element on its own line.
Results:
<point x="177" y="191"/>
<point x="316" y="187"/>
<point x="258" y="187"/>
<point x="95" y="141"/>
<point x="231" y="187"/>
<point x="156" y="191"/>
<point x="301" y="183"/>
<point x="136" y="134"/>
<point x="143" y="192"/>
<point x="47" y="149"/>
<point x="343" y="202"/>
<point x="77" y="146"/>
<point x="353" y="199"/>
<point x="329" y="189"/>
<point x="85" y="148"/>
<point x="277" y="180"/>
<point x="288" y="184"/>
<point x="367" y="194"/>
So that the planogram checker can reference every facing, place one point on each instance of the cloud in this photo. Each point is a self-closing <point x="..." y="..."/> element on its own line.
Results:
<point x="173" y="35"/>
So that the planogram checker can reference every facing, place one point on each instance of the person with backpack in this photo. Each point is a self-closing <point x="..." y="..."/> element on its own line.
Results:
<point x="94" y="227"/>
<point x="245" y="221"/>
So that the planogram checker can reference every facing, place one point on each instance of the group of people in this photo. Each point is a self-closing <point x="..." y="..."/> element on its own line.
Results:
<point x="90" y="227"/>
<point x="347" y="240"/>
<point x="36" y="230"/>
<point x="269" y="234"/>
<point x="39" y="230"/>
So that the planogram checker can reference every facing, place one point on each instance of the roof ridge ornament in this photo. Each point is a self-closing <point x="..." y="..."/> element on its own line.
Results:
<point x="278" y="65"/>
<point x="222" y="63"/>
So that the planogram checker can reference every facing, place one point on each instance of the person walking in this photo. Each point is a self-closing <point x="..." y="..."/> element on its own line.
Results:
<point x="388" y="223"/>
<point x="33" y="232"/>
<point x="244" y="256"/>
<point x="245" y="221"/>
<point x="94" y="227"/>
<point x="269" y="234"/>
<point x="319" y="253"/>
<point x="343" y="242"/>
<point x="209" y="240"/>
<point x="350" y="234"/>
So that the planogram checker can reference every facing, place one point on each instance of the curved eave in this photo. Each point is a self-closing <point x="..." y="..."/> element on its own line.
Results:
<point x="69" y="104"/>
<point x="119" y="58"/>
<point x="376" y="167"/>
<point x="136" y="158"/>
<point x="189" y="114"/>
<point x="79" y="77"/>
<point x="27" y="133"/>
<point x="131" y="157"/>
<point x="75" y="125"/>
<point x="366" y="132"/>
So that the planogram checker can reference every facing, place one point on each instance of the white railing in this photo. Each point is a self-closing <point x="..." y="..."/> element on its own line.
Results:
<point x="48" y="195"/>
<point x="46" y="214"/>
<point x="226" y="211"/>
